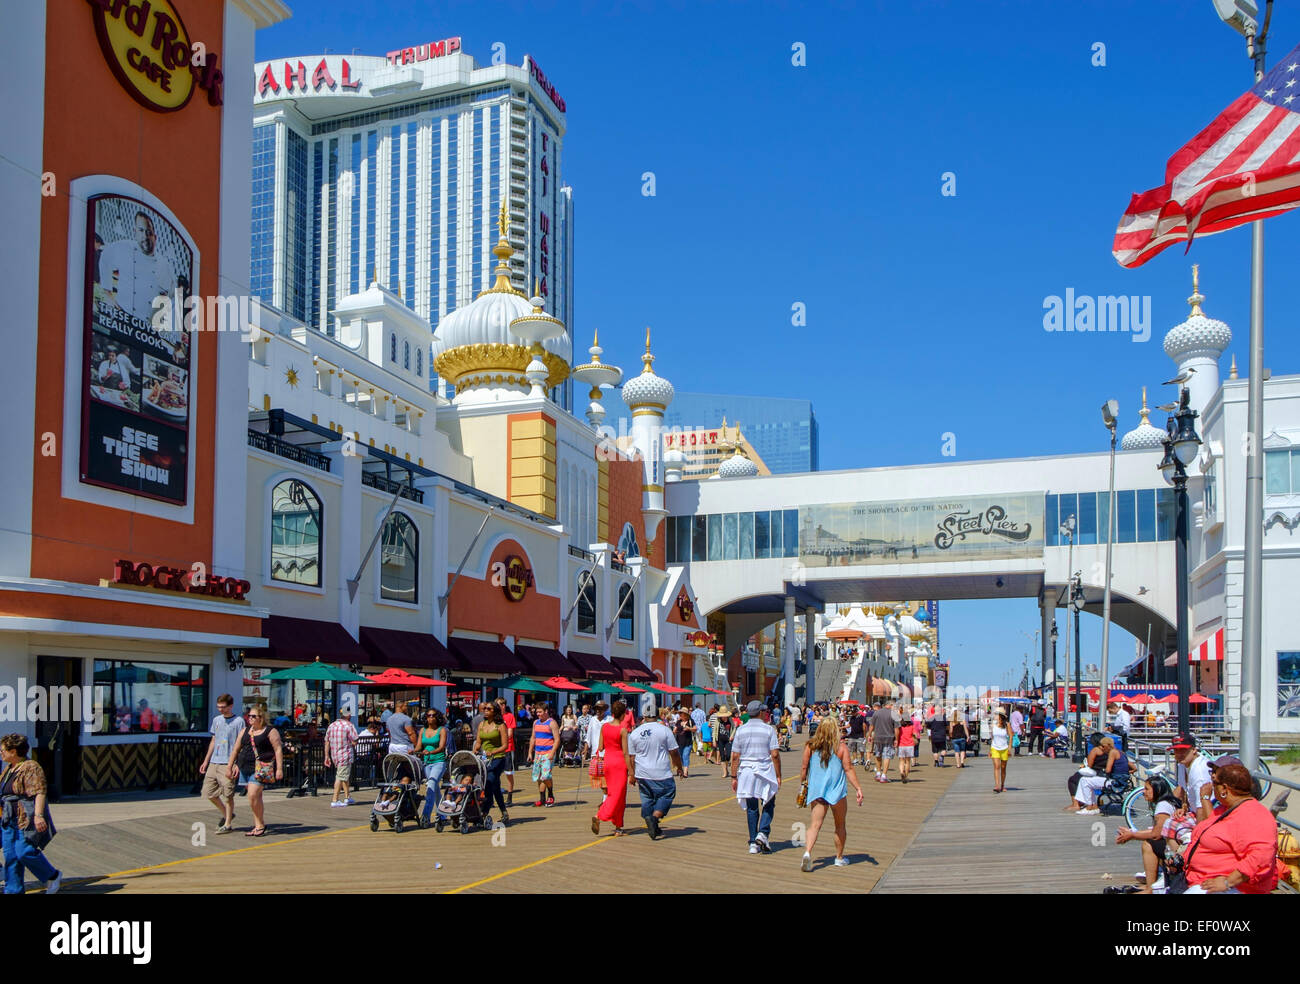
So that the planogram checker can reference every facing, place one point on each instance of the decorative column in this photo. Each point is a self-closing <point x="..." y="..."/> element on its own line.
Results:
<point x="810" y="653"/>
<point x="789" y="650"/>
<point x="1045" y="610"/>
<point x="648" y="395"/>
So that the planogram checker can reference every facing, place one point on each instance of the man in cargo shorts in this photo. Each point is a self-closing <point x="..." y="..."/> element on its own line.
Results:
<point x="885" y="724"/>
<point x="218" y="784"/>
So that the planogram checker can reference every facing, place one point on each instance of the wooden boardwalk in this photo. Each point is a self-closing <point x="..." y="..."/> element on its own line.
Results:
<point x="1016" y="842"/>
<point x="312" y="847"/>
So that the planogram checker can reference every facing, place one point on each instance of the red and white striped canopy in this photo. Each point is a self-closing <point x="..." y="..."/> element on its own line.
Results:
<point x="1209" y="649"/>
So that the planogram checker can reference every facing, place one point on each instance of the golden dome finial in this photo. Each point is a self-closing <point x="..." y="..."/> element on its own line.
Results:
<point x="503" y="251"/>
<point x="647" y="360"/>
<point x="1196" y="298"/>
<point x="1232" y="372"/>
<point x="1146" y="419"/>
<point x="503" y="220"/>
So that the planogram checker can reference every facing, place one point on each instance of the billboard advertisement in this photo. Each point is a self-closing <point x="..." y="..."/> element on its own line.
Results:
<point x="915" y="531"/>
<point x="137" y="390"/>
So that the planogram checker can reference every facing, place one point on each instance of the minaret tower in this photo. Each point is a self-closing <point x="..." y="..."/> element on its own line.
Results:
<point x="1197" y="345"/>
<point x="647" y="396"/>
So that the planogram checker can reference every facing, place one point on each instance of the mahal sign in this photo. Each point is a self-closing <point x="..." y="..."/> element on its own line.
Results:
<point x="517" y="578"/>
<point x="192" y="581"/>
<point x="297" y="80"/>
<point x="149" y="50"/>
<point x="980" y="527"/>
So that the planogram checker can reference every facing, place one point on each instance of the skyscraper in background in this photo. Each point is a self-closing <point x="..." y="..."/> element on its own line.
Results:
<point x="781" y="429"/>
<point x="394" y="168"/>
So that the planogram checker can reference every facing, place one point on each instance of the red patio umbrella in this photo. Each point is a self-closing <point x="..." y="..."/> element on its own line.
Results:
<point x="1200" y="699"/>
<point x="850" y="702"/>
<point x="394" y="677"/>
<point x="1139" y="701"/>
<point x="665" y="688"/>
<point x="562" y="683"/>
<point x="627" y="688"/>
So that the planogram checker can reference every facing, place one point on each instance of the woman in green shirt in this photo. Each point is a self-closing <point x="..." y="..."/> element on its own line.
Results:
<point x="491" y="743"/>
<point x="431" y="746"/>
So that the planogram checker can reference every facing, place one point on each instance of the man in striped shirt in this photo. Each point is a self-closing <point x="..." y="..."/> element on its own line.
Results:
<point x="541" y="753"/>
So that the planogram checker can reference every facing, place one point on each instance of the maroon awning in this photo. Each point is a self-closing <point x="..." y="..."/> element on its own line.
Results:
<point x="484" y="656"/>
<point x="394" y="647"/>
<point x="593" y="666"/>
<point x="302" y="640"/>
<point x="634" y="670"/>
<point x="545" y="662"/>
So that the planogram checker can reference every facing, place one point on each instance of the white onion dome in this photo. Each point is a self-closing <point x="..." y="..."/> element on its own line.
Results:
<point x="648" y="389"/>
<point x="1144" y="436"/>
<point x="739" y="465"/>
<point x="673" y="457"/>
<point x="1198" y="335"/>
<point x="478" y="336"/>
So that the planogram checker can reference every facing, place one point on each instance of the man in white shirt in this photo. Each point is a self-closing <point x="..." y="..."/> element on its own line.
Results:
<point x="652" y="758"/>
<point x="1120" y="723"/>
<point x="756" y="775"/>
<point x="133" y="271"/>
<point x="1194" y="780"/>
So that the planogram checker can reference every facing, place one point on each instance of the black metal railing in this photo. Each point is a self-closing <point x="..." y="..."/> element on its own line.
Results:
<point x="580" y="553"/>
<point x="618" y="566"/>
<point x="274" y="445"/>
<point x="377" y="481"/>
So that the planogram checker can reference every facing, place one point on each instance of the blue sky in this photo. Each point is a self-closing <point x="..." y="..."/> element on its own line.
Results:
<point x="821" y="185"/>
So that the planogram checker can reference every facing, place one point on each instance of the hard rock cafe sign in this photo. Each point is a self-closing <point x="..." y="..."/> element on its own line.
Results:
<point x="699" y="639"/>
<point x="518" y="578"/>
<point x="149" y="50"/>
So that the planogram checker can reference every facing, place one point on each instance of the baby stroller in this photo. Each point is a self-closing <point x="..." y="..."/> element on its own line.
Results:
<point x="397" y="798"/>
<point x="464" y="801"/>
<point x="570" y="747"/>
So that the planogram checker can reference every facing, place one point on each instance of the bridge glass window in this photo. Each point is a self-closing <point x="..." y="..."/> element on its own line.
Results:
<point x="1103" y="510"/>
<point x="1053" y="531"/>
<point x="746" y="536"/>
<point x="684" y="524"/>
<point x="670" y="539"/>
<point x="699" y="537"/>
<point x="715" y="536"/>
<point x="1126" y="516"/>
<point x="626" y="613"/>
<point x="295" y="533"/>
<point x="400" y="563"/>
<point x="1165" y="513"/>
<point x="1146" y="515"/>
<point x="1281" y="472"/>
<point x="132" y="698"/>
<point x="586" y="603"/>
<point x="1087" y="518"/>
<point x="1069" y="506"/>
<point x="775" y="529"/>
<point x="790" y="533"/>
<point x="729" y="536"/>
<point x="762" y="535"/>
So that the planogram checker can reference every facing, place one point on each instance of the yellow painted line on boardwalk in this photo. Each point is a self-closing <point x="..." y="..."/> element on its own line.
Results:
<point x="225" y="854"/>
<point x="574" y="850"/>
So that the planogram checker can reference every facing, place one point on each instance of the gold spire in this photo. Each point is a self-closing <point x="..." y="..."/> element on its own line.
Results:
<point x="1232" y="373"/>
<point x="502" y="251"/>
<point x="1144" y="412"/>
<point x="647" y="360"/>
<point x="503" y="221"/>
<point x="1196" y="298"/>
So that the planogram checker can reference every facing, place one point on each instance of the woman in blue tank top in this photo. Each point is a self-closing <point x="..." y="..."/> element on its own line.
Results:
<point x="826" y="768"/>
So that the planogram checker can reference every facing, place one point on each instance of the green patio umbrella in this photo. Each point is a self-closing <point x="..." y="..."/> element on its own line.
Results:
<point x="318" y="672"/>
<point x="699" y="690"/>
<point x="527" y="684"/>
<point x="598" y="687"/>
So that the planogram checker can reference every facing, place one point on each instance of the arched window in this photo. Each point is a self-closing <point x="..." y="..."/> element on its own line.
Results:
<point x="406" y="355"/>
<point x="586" y="603"/>
<point x="419" y="362"/>
<point x="295" y="533"/>
<point x="627" y="545"/>
<point x="392" y="347"/>
<point x="626" y="613"/>
<point x="400" y="564"/>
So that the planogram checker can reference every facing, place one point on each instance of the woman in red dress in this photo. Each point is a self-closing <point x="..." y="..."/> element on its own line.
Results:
<point x="613" y="740"/>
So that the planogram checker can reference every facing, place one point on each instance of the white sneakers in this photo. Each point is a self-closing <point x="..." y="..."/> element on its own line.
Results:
<point x="761" y="841"/>
<point x="841" y="862"/>
<point x="1090" y="812"/>
<point x="338" y="803"/>
<point x="753" y="848"/>
<point x="53" y="885"/>
<point x="806" y="863"/>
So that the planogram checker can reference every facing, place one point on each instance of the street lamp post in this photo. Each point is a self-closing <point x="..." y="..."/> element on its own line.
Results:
<point x="1067" y="530"/>
<point x="1181" y="447"/>
<point x="1056" y="707"/>
<point x="1110" y="416"/>
<point x="1077" y="602"/>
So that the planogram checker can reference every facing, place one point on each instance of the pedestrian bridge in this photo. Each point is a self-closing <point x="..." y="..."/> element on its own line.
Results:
<point x="762" y="548"/>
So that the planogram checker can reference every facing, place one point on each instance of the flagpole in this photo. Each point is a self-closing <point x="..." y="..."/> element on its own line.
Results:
<point x="1253" y="597"/>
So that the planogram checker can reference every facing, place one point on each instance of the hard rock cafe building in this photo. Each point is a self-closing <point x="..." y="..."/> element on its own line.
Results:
<point x="205" y="493"/>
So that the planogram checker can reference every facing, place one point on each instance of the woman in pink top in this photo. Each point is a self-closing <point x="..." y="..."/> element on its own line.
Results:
<point x="613" y="742"/>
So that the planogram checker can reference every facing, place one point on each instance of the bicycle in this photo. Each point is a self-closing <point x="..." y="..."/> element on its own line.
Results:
<point x="1138" y="813"/>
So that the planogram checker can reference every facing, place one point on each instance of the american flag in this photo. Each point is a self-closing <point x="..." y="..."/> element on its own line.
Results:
<point x="1242" y="167"/>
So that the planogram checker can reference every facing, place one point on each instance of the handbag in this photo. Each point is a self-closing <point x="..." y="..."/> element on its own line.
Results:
<point x="1176" y="874"/>
<point x="1015" y="741"/>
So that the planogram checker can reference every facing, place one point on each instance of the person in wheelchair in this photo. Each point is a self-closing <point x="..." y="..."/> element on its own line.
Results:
<point x="1109" y="765"/>
<point x="1171" y="828"/>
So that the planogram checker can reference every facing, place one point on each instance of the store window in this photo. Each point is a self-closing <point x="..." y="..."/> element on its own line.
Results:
<point x="626" y="613"/>
<point x="135" y="698"/>
<point x="289" y="703"/>
<point x="1288" y="685"/>
<point x="400" y="561"/>
<point x="295" y="533"/>
<point x="586" y="603"/>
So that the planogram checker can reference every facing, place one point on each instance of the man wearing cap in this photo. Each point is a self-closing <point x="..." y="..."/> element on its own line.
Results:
<point x="340" y="750"/>
<point x="756" y="774"/>
<point x="652" y="758"/>
<point x="885" y="726"/>
<point x="1194" y="780"/>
